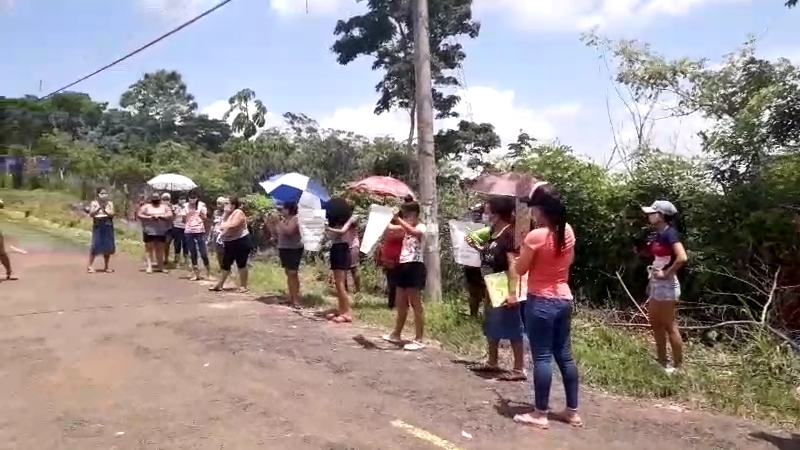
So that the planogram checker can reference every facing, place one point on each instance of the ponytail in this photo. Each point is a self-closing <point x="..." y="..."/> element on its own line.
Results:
<point x="560" y="219"/>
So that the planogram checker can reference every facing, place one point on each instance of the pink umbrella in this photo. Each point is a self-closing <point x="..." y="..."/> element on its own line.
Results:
<point x="507" y="184"/>
<point x="382" y="186"/>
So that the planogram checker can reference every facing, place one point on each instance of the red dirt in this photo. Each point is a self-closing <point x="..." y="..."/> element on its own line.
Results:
<point x="136" y="361"/>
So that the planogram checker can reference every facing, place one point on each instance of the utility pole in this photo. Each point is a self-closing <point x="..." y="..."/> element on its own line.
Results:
<point x="427" y="161"/>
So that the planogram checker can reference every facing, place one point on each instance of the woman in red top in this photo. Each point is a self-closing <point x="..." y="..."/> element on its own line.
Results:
<point x="388" y="257"/>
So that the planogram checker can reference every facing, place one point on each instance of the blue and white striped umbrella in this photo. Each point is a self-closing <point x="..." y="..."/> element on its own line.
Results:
<point x="294" y="187"/>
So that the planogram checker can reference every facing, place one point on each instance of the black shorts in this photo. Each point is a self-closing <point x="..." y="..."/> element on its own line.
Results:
<point x="236" y="251"/>
<point x="290" y="258"/>
<point x="340" y="256"/>
<point x="411" y="275"/>
<point x="474" y="277"/>
<point x="151" y="238"/>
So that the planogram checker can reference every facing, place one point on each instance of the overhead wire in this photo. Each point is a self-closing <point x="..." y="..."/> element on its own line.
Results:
<point x="142" y="48"/>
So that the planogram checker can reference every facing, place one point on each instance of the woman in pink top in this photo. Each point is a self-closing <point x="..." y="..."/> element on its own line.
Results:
<point x="546" y="257"/>
<point x="195" y="215"/>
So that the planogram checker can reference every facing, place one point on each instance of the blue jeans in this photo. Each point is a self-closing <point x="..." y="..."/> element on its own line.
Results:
<point x="196" y="242"/>
<point x="548" y="324"/>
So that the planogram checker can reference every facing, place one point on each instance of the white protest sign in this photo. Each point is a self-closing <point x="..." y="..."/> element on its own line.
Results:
<point x="312" y="228"/>
<point x="462" y="252"/>
<point x="377" y="221"/>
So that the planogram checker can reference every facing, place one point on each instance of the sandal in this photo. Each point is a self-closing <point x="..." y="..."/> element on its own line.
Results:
<point x="242" y="290"/>
<point x="215" y="289"/>
<point x="569" y="417"/>
<point x="414" y="346"/>
<point x="393" y="339"/>
<point x="342" y="319"/>
<point x="331" y="316"/>
<point x="485" y="368"/>
<point x="108" y="270"/>
<point x="526" y="419"/>
<point x="514" y="375"/>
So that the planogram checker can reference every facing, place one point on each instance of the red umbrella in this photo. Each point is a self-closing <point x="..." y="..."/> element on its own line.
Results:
<point x="382" y="186"/>
<point x="502" y="183"/>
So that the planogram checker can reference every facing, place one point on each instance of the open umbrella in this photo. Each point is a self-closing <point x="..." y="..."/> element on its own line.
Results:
<point x="294" y="187"/>
<point x="382" y="186"/>
<point x="507" y="184"/>
<point x="171" y="182"/>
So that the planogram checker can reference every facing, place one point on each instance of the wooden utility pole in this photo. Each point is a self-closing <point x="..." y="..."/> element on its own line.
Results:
<point x="427" y="161"/>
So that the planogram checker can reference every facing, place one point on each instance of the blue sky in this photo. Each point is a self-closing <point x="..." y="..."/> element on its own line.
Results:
<point x="528" y="69"/>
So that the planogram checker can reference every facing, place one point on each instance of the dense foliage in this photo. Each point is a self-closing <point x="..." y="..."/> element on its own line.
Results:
<point x="735" y="196"/>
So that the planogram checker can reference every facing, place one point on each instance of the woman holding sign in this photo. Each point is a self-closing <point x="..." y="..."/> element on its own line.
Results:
<point x="411" y="275"/>
<point x="546" y="256"/>
<point x="501" y="322"/>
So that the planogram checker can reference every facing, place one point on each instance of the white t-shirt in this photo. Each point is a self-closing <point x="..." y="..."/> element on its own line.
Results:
<point x="411" y="251"/>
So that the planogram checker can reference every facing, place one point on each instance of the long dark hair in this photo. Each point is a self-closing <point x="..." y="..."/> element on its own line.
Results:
<point x="548" y="200"/>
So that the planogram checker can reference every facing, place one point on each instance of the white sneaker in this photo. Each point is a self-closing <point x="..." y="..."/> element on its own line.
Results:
<point x="414" y="346"/>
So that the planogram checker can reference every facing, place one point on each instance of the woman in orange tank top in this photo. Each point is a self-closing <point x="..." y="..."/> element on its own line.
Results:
<point x="546" y="256"/>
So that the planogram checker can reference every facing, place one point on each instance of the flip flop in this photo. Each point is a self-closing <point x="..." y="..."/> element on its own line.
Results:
<point x="514" y="375"/>
<point x="569" y="419"/>
<point x="527" y="420"/>
<point x="215" y="289"/>
<point x="342" y="319"/>
<point x="392" y="340"/>
<point x="108" y="271"/>
<point x="485" y="368"/>
<point x="331" y="316"/>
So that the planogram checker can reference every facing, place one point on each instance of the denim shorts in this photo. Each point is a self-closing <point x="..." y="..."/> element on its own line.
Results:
<point x="667" y="290"/>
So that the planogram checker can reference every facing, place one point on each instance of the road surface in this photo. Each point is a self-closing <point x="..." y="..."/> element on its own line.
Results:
<point x="135" y="361"/>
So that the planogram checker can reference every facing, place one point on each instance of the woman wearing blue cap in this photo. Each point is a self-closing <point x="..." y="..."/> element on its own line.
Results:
<point x="664" y="289"/>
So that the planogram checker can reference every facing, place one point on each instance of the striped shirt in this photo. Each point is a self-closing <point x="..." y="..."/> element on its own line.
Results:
<point x="195" y="218"/>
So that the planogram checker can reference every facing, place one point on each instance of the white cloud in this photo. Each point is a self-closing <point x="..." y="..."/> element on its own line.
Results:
<point x="580" y="15"/>
<point x="176" y="9"/>
<point x="480" y="104"/>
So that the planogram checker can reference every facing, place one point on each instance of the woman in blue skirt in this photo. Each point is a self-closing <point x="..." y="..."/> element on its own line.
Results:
<point x="504" y="322"/>
<point x="101" y="211"/>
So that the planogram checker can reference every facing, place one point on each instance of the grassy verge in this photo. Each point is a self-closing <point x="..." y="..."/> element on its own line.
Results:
<point x="756" y="380"/>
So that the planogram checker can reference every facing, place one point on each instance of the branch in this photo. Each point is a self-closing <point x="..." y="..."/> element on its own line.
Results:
<point x="619" y="277"/>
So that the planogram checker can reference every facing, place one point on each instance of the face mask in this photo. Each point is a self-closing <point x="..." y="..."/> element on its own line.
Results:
<point x="181" y="202"/>
<point x="102" y="196"/>
<point x="155" y="202"/>
<point x="193" y="200"/>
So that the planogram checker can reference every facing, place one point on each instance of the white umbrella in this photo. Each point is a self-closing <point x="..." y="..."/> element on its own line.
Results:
<point x="172" y="182"/>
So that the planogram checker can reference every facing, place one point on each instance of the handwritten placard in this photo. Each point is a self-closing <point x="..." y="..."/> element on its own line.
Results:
<point x="462" y="252"/>
<point x="377" y="221"/>
<point x="497" y="288"/>
<point x="312" y="228"/>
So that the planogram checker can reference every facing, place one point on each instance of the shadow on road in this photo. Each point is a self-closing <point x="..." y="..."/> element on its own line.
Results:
<point x="780" y="442"/>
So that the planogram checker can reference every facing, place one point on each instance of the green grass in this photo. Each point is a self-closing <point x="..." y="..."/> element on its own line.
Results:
<point x="755" y="380"/>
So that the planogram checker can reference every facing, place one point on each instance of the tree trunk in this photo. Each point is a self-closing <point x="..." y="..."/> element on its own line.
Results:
<point x="427" y="162"/>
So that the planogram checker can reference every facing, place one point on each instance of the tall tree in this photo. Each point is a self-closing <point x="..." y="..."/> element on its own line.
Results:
<point x="161" y="95"/>
<point x="386" y="34"/>
<point x="251" y="114"/>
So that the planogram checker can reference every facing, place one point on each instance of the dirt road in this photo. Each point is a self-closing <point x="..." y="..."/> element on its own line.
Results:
<point x="131" y="361"/>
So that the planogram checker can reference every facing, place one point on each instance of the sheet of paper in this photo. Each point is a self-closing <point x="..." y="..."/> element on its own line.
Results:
<point x="312" y="228"/>
<point x="497" y="288"/>
<point x="462" y="252"/>
<point x="377" y="221"/>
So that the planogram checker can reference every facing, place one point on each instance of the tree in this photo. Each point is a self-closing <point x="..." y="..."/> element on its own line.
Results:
<point x="470" y="142"/>
<point x="385" y="33"/>
<point x="161" y="95"/>
<point x="251" y="114"/>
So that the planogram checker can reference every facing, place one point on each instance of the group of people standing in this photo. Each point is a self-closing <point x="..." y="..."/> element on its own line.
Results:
<point x="542" y="313"/>
<point x="184" y="228"/>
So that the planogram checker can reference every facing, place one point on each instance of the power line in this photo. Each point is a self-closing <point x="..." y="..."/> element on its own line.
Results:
<point x="142" y="48"/>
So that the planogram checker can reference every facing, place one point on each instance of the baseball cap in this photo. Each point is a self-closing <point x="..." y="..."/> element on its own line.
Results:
<point x="661" y="206"/>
